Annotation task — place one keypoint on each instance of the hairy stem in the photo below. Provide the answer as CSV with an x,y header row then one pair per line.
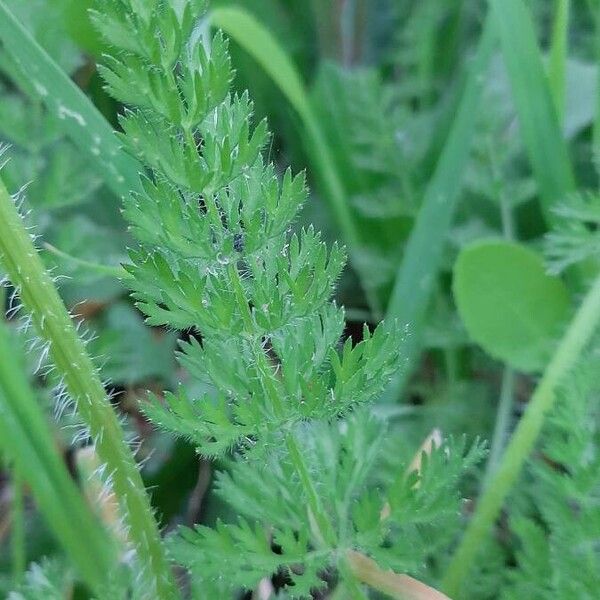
x,y
566,355
322,521
67,351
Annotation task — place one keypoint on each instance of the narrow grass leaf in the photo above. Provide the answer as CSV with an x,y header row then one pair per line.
x,y
80,119
26,440
558,55
418,270
537,114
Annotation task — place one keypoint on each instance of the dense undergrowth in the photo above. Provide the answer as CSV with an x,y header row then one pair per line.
x,y
320,320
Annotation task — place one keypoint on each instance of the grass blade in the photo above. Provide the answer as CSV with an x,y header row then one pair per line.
x,y
538,120
558,55
26,440
595,17
80,119
417,274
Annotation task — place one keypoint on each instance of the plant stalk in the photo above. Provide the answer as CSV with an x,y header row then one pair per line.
x,y
67,351
400,587
578,334
323,523
320,516
502,425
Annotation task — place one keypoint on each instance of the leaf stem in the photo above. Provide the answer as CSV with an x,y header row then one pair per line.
x,y
320,516
567,353
55,327
318,513
107,270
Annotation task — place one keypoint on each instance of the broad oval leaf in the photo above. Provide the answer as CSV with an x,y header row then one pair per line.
x,y
510,306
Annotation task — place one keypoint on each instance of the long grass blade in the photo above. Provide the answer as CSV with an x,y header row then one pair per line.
x,y
558,55
80,119
26,440
538,120
418,270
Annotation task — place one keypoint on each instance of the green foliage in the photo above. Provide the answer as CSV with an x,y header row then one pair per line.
x,y
561,536
576,239
538,120
363,121
129,352
268,453
265,49
49,580
216,256
424,248
377,504
507,302
80,119
71,208
568,352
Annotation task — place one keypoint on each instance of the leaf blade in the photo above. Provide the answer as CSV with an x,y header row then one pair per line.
x,y
537,113
508,303
25,438
417,273
80,119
